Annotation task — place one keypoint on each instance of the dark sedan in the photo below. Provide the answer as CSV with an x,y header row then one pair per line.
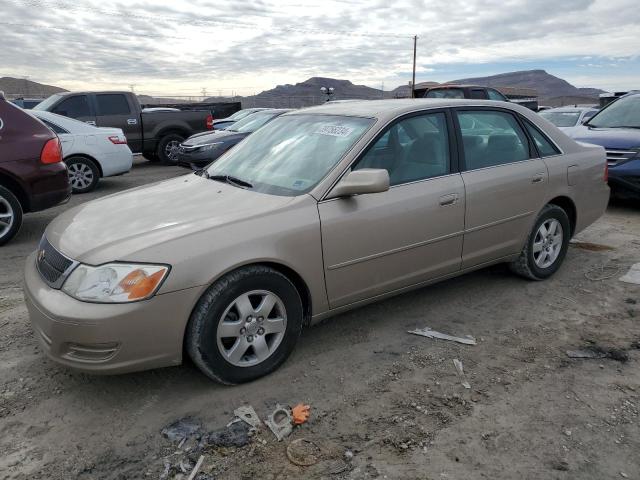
x,y
203,148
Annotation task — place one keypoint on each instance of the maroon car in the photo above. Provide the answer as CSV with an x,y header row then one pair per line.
x,y
32,174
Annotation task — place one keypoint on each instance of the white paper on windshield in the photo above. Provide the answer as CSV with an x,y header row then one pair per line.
x,y
335,130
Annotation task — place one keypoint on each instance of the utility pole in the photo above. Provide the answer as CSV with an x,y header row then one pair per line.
x,y
204,92
132,86
413,78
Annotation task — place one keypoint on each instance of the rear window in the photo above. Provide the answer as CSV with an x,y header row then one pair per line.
x,y
445,93
112,104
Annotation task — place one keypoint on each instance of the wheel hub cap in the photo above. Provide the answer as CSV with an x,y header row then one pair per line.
x,y
547,243
6,217
251,328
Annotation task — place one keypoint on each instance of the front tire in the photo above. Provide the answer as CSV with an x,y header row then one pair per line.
x,y
546,245
245,326
167,150
10,215
83,174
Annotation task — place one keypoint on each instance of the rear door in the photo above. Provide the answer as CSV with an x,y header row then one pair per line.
x,y
78,107
505,183
115,110
377,243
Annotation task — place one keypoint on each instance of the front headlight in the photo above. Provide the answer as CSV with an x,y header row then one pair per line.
x,y
210,146
115,282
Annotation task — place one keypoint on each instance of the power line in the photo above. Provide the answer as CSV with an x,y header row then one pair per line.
x,y
70,29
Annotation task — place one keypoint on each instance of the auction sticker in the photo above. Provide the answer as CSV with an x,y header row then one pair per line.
x,y
335,130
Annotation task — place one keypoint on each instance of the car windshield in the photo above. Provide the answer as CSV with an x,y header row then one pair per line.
x,y
252,122
446,93
624,112
240,114
561,119
291,154
47,102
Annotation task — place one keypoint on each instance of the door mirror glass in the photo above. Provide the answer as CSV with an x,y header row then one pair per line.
x,y
358,182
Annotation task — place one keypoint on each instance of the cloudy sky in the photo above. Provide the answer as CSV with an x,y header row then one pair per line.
x,y
176,47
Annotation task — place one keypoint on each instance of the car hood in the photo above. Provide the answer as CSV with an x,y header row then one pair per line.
x,y
621,138
118,226
215,136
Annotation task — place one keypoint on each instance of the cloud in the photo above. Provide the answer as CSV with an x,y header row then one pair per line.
x,y
180,47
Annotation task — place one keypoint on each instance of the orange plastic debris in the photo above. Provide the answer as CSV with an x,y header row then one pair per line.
x,y
300,413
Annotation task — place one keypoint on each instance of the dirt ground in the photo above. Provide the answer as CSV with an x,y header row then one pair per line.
x,y
384,404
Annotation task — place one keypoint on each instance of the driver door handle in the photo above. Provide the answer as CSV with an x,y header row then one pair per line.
x,y
450,199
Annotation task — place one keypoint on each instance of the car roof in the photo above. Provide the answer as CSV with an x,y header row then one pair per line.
x,y
395,107
570,109
71,124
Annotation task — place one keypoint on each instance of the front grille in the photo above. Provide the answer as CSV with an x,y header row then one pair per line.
x,y
615,156
51,264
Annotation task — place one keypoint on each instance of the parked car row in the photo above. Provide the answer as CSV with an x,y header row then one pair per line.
x,y
156,133
318,211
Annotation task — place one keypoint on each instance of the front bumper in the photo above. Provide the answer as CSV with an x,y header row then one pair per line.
x,y
198,160
107,338
626,176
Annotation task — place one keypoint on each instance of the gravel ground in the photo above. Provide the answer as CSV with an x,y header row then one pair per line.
x,y
384,404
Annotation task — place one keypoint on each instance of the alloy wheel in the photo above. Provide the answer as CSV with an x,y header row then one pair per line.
x,y
171,150
7,216
547,243
80,175
251,328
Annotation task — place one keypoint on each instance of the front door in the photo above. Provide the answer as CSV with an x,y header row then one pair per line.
x,y
505,184
377,243
78,107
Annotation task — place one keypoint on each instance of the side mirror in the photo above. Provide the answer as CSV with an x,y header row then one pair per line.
x,y
358,182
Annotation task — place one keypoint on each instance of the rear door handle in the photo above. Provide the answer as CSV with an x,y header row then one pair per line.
x,y
450,199
537,178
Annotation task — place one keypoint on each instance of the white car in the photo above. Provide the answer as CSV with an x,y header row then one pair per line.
x,y
89,152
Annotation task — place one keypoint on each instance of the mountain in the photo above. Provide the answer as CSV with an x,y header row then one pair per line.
x,y
21,87
308,93
547,85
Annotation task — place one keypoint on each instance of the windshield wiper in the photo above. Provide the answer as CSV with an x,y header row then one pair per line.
x,y
228,179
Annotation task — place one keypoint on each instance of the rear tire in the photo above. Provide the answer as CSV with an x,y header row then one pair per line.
x,y
83,174
167,150
245,325
546,246
10,215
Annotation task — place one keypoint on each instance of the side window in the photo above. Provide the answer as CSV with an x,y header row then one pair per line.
x,y
112,104
478,93
491,138
53,127
74,107
412,149
545,147
496,95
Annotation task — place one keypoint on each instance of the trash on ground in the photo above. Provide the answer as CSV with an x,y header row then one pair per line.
x,y
427,332
303,452
280,422
300,413
249,415
595,351
236,435
459,368
633,275
592,247
602,272
194,472
182,429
